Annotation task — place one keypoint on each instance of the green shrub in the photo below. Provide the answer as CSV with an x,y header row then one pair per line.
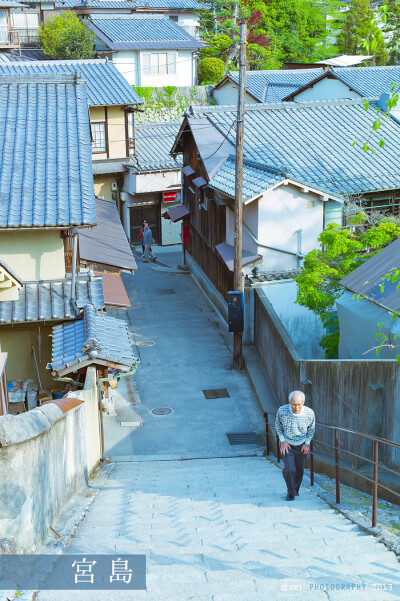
x,y
211,70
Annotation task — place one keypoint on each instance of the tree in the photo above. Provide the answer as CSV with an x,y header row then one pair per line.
x,y
360,33
211,70
391,28
66,37
342,249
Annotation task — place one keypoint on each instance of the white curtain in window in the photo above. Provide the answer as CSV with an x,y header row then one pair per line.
x,y
171,57
162,64
32,20
18,20
146,64
3,26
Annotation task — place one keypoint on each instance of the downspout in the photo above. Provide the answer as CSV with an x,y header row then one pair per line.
x,y
74,232
297,254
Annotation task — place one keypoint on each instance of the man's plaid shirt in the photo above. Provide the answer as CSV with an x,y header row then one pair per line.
x,y
295,428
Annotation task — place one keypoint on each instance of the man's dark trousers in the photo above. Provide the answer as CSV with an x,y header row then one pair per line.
x,y
294,467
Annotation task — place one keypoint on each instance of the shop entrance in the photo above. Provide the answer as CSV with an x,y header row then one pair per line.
x,y
150,213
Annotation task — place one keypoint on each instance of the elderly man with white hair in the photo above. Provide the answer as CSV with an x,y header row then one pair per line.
x,y
295,426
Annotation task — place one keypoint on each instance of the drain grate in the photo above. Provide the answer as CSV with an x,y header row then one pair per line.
x,y
145,343
244,438
166,291
216,393
161,411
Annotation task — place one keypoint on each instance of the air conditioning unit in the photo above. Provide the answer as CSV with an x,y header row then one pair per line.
x,y
114,186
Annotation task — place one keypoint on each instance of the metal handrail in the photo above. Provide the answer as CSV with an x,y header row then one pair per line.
x,y
375,461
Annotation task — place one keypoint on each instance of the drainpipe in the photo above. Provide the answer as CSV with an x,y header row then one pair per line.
x,y
300,255
297,254
74,232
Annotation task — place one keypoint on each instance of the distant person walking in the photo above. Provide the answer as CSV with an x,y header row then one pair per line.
x,y
147,240
295,426
141,236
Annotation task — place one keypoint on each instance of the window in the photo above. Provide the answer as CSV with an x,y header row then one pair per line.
x,y
99,137
174,18
159,64
25,25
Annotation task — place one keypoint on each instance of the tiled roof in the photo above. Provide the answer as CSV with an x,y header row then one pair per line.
x,y
51,300
95,339
153,145
137,32
46,177
27,54
369,81
11,272
107,242
131,4
312,143
274,85
11,4
257,177
104,83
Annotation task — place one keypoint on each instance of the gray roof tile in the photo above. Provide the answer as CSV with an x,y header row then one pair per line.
x,y
312,143
104,83
46,177
153,145
51,300
95,337
369,81
136,32
274,85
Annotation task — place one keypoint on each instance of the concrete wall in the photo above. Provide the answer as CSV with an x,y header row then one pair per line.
x,y
326,89
34,254
43,463
228,95
170,232
17,342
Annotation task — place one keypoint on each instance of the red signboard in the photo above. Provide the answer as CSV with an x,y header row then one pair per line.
x,y
169,196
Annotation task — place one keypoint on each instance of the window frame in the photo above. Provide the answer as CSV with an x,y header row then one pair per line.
x,y
96,149
170,66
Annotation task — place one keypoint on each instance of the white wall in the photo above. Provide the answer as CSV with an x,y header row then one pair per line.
x,y
126,62
228,95
326,89
185,70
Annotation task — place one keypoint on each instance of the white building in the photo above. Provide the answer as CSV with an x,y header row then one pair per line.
x,y
148,50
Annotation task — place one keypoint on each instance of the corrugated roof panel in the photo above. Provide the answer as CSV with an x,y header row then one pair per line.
x,y
104,83
367,279
46,177
106,242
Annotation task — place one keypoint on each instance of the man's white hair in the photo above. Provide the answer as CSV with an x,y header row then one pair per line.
x,y
297,393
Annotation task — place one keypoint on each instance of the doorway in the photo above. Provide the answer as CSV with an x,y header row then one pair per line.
x,y
150,213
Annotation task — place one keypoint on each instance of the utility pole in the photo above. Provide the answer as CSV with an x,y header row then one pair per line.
x,y
237,272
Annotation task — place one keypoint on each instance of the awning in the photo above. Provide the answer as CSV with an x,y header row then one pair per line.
x,y
227,253
114,291
106,243
188,170
179,212
95,339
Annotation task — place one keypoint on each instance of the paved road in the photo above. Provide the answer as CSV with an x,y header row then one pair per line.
x,y
217,527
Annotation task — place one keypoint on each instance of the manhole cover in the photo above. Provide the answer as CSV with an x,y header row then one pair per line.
x,y
244,438
161,411
167,291
145,343
216,393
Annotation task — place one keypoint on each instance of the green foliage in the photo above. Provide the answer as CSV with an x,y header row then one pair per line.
x,y
211,70
390,15
360,33
66,37
341,251
145,93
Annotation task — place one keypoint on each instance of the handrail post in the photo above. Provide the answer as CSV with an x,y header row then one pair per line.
x,y
312,462
337,465
375,485
267,432
278,449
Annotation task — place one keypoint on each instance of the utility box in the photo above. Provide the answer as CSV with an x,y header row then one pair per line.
x,y
235,311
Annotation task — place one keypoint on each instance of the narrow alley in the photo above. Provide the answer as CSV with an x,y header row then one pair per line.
x,y
210,517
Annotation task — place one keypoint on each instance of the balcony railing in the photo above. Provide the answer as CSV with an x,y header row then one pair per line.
x,y
16,37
